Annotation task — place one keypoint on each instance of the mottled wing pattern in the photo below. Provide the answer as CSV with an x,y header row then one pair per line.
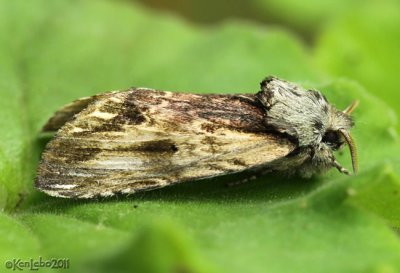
x,y
67,112
142,139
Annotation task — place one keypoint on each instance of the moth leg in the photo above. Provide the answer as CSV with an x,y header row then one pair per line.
x,y
340,168
330,160
242,181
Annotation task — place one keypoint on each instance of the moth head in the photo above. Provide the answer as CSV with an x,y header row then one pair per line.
x,y
307,117
338,132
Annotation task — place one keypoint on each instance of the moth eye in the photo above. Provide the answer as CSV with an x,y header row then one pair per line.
x,y
333,139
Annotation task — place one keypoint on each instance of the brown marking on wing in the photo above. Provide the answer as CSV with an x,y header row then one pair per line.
x,y
235,112
158,146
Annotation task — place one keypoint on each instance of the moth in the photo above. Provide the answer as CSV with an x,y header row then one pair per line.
x,y
142,139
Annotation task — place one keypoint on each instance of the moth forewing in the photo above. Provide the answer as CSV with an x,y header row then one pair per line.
x,y
142,139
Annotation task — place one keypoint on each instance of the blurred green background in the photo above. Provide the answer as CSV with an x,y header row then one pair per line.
x,y
54,51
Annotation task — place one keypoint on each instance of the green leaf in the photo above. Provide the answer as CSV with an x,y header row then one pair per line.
x,y
64,50
306,16
378,192
16,240
159,247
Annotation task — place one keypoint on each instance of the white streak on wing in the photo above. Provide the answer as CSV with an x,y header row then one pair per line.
x,y
77,130
87,195
61,186
102,115
120,163
53,193
115,99
106,193
128,190
73,173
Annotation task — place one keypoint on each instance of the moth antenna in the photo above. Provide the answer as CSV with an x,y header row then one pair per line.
x,y
353,149
351,107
